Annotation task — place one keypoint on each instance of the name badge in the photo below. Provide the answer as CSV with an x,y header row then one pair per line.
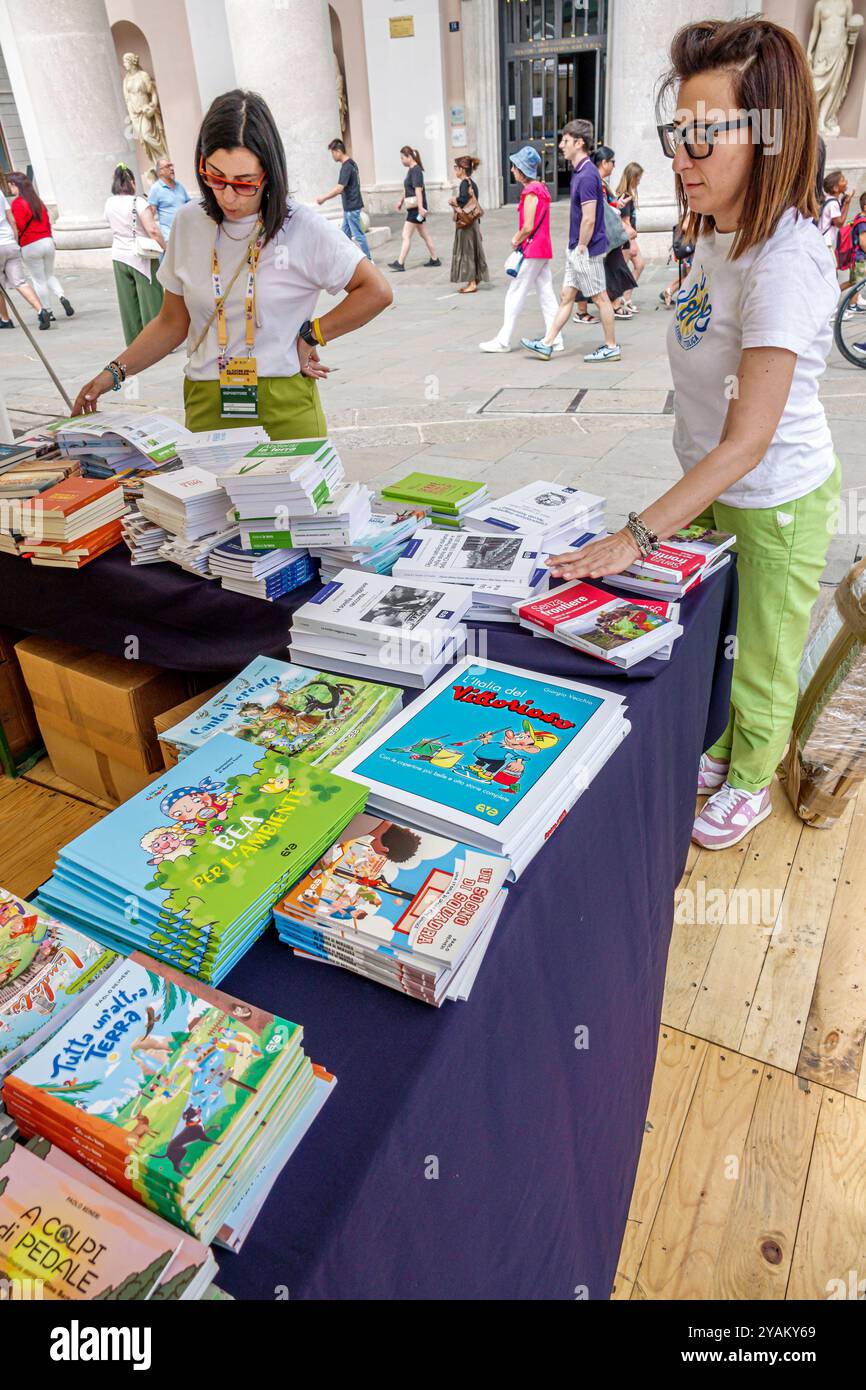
x,y
239,388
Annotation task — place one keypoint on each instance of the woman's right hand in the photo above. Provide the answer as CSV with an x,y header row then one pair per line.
x,y
85,401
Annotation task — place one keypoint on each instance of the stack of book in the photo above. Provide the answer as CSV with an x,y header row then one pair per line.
x,y
339,522
499,570
548,512
18,454
195,556
445,500
185,1099
73,522
21,486
188,503
267,574
614,629
376,549
492,753
47,970
120,439
360,624
272,485
190,867
215,449
412,911
687,558
143,538
118,1250
293,710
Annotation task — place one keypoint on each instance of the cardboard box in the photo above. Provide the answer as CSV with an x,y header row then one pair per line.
x,y
17,716
174,716
96,714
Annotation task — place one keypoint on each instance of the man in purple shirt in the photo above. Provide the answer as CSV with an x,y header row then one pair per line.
x,y
587,247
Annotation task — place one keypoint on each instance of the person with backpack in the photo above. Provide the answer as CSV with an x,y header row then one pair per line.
x,y
349,189
834,208
532,247
618,278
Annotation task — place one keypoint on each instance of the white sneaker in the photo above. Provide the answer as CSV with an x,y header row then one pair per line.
x,y
493,346
559,347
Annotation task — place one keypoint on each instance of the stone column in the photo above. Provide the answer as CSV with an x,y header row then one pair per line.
x,y
639,36
282,49
480,24
66,58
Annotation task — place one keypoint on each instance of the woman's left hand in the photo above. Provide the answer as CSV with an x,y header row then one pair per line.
x,y
308,357
610,555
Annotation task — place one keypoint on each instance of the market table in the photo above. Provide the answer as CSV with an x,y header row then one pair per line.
x,y
487,1149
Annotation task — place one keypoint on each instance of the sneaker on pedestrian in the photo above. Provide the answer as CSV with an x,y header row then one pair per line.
x,y
711,774
67,307
603,354
494,345
6,323
730,814
538,346
559,347
395,265
432,262
44,318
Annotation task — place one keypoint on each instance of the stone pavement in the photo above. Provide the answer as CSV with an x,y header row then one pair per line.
x,y
411,390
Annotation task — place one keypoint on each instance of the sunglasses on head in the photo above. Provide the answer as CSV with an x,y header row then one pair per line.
x,y
242,187
699,139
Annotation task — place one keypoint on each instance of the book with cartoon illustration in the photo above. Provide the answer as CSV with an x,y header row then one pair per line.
x,y
189,867
487,751
170,1090
601,624
295,710
46,970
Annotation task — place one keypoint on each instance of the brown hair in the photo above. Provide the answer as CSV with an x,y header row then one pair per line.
x,y
580,130
627,186
468,163
830,180
771,78
407,149
28,193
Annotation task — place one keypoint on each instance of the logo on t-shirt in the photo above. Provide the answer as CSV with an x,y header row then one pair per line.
x,y
693,312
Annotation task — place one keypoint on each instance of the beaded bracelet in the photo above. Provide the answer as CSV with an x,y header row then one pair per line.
x,y
645,539
115,376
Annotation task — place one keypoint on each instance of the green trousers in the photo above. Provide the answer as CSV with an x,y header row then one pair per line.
x,y
140,299
289,407
781,553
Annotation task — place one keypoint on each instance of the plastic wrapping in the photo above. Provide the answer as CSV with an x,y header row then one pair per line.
x,y
826,759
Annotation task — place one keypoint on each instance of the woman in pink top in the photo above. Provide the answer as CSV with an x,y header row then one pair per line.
x,y
533,238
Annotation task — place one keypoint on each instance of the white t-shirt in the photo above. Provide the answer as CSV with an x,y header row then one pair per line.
x,y
306,256
832,208
7,236
779,294
118,215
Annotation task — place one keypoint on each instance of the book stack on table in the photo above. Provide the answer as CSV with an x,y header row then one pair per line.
x,y
73,522
189,868
368,624
191,507
187,1100
548,512
499,570
410,910
215,449
266,574
614,629
377,547
446,500
143,539
22,483
687,558
294,710
273,485
117,441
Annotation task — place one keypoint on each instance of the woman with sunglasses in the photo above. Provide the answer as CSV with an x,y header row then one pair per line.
x,y
748,342
242,275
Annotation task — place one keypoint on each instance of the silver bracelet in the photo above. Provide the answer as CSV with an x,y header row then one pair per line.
x,y
645,539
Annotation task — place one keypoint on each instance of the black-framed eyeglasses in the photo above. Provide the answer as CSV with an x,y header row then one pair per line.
x,y
698,138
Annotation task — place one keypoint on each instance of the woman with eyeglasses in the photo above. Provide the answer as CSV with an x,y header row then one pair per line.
x,y
747,343
242,275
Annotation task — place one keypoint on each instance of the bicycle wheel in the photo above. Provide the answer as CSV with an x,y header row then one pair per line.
x,y
850,334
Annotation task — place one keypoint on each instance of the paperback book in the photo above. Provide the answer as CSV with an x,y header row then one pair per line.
x,y
600,624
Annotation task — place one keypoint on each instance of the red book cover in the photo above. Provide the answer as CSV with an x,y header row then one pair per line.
x,y
75,493
667,558
663,607
563,604
90,541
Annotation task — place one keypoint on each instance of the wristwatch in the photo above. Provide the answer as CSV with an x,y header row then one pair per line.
x,y
306,332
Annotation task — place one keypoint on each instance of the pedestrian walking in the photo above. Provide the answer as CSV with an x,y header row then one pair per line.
x,y
136,246
468,261
415,202
12,272
167,195
618,278
348,188
534,249
36,241
627,202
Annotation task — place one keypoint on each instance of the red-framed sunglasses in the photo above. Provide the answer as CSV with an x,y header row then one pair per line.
x,y
242,187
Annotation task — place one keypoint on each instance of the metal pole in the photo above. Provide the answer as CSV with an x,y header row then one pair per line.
x,y
6,435
8,292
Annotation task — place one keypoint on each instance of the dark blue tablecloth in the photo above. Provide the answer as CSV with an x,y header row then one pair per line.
x,y
474,1151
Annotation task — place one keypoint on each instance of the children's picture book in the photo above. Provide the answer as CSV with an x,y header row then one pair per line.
x,y
483,748
46,971
303,713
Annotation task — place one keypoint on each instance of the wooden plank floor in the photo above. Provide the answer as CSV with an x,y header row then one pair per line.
x,y
752,1177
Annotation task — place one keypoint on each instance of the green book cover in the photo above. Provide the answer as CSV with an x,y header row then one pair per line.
x,y
430,489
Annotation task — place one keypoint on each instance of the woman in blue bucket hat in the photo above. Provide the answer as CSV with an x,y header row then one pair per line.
x,y
532,239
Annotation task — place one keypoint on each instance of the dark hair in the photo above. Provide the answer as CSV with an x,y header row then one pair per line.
x,y
863,200
821,162
601,152
337,145
243,119
468,163
28,193
769,73
580,130
123,180
407,149
400,842
830,180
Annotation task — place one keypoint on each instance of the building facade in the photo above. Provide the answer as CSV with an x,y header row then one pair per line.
x,y
446,77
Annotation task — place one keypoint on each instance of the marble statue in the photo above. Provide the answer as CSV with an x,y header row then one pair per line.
x,y
830,52
342,103
142,103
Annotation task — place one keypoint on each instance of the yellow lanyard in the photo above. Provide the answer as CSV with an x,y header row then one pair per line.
x,y
254,251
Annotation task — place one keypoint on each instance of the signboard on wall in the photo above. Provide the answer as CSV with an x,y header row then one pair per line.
x,y
402,26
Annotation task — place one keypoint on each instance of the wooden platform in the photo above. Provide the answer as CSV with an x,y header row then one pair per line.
x,y
752,1179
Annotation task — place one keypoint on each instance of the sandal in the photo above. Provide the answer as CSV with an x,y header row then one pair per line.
x,y
666,298
467,290
582,318
623,314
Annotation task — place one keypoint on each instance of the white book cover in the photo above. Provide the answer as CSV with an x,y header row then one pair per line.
x,y
377,607
186,485
536,507
470,558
